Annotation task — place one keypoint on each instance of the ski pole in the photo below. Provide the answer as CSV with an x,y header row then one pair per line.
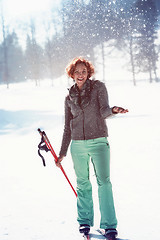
x,y
50,148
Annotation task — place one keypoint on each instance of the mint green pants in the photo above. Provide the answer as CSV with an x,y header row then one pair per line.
x,y
98,151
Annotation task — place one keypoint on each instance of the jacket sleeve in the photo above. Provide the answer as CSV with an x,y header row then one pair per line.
x,y
105,109
67,131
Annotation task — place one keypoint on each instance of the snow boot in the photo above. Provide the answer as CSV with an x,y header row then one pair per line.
x,y
111,233
84,228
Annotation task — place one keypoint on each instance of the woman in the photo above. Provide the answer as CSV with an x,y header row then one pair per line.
x,y
86,108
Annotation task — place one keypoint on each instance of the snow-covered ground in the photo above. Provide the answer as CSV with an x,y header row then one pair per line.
x,y
36,203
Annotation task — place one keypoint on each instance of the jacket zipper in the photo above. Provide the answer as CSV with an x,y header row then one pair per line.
x,y
83,126
83,116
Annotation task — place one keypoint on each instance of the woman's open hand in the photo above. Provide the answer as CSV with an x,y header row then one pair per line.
x,y
119,110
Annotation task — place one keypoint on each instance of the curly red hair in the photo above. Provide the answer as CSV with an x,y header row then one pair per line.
x,y
79,60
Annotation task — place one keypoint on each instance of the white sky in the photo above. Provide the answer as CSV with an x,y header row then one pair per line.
x,y
19,8
18,12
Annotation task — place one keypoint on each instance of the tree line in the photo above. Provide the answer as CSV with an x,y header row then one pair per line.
x,y
75,30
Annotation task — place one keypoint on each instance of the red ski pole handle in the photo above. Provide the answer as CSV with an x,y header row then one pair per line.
x,y
47,142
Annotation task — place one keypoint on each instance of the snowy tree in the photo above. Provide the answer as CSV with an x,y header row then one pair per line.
x,y
12,59
33,56
55,57
4,49
55,48
146,56
140,30
16,67
76,31
127,39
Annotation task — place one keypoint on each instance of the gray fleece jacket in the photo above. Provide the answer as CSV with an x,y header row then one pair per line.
x,y
85,113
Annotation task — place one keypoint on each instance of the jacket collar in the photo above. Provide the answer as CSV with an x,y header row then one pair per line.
x,y
81,97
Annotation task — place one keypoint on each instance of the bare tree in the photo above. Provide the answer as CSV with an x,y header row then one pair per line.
x,y
147,18
33,54
5,75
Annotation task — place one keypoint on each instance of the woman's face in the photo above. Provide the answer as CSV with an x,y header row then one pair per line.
x,y
80,75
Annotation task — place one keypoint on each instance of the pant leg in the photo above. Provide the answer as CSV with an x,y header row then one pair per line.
x,y
81,160
100,154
